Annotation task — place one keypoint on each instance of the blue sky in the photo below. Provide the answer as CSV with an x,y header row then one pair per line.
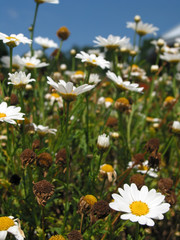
x,y
85,19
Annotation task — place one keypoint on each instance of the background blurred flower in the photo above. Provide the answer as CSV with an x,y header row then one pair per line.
x,y
19,79
46,42
142,28
14,40
9,114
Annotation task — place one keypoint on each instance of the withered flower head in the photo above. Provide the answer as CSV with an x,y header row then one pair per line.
x,y
152,145
138,179
154,160
43,190
85,203
138,158
14,99
100,209
165,184
63,33
61,157
44,160
15,179
122,104
27,157
112,122
171,197
57,237
36,144
169,101
75,235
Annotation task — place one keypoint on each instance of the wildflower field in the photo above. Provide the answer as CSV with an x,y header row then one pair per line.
x,y
90,144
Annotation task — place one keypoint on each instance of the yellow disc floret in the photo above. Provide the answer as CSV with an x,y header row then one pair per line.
x,y
56,95
123,101
109,100
90,199
139,208
6,223
107,168
2,115
57,237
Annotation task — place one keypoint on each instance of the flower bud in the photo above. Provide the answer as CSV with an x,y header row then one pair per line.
x,y
137,18
154,68
63,33
103,142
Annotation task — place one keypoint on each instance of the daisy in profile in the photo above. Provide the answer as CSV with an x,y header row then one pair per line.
x,y
54,97
37,54
112,42
142,28
47,1
32,62
124,85
67,90
108,170
10,225
93,60
94,78
139,205
19,79
15,62
43,130
169,57
14,40
9,114
46,42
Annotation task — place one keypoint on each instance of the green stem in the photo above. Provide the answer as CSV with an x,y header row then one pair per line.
x,y
73,63
33,26
43,222
11,55
59,51
137,231
87,122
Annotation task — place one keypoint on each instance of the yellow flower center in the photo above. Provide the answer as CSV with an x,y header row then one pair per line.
x,y
12,38
56,95
69,96
143,168
28,64
79,73
57,237
107,168
90,199
109,100
94,61
169,99
123,100
2,115
139,208
6,223
134,67
141,32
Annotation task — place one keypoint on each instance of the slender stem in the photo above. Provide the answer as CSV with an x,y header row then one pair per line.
x,y
82,217
43,222
11,55
102,188
73,63
137,231
59,51
87,122
33,26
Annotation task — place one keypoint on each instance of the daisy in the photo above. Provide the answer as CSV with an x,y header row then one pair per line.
x,y
43,130
169,57
19,79
10,225
124,85
142,28
46,42
14,40
108,170
139,205
94,79
112,42
93,60
15,61
103,142
54,97
67,90
175,127
37,54
9,114
47,1
32,62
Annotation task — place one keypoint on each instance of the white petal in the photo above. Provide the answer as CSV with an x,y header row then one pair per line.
x,y
3,235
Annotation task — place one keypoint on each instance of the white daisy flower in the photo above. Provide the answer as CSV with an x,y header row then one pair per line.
x,y
54,97
32,62
43,130
14,40
169,57
103,142
37,54
93,60
107,169
124,85
176,127
67,90
94,79
47,1
112,42
144,168
139,205
15,61
19,79
9,114
46,42
142,28
10,225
